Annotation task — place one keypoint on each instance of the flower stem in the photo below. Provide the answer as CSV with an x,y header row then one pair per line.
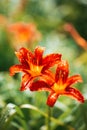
x,y
49,119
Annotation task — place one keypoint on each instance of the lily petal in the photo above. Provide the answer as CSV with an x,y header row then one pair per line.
x,y
26,80
73,79
48,77
39,86
74,93
62,72
50,60
15,69
38,54
22,55
52,99
26,57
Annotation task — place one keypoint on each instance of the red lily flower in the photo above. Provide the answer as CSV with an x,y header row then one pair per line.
x,y
33,64
59,85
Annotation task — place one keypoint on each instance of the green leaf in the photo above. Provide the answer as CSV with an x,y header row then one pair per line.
x,y
57,121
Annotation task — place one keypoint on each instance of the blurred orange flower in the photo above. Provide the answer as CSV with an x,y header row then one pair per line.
x,y
76,36
3,20
24,33
33,64
59,84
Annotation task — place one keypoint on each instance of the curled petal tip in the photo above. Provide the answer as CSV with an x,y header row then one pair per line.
x,y
11,71
15,69
81,99
52,99
16,53
40,48
74,93
22,88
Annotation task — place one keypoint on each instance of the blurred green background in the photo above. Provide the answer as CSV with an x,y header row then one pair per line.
x,y
49,17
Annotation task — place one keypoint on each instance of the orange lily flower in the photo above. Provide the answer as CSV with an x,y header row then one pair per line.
x,y
24,33
33,64
59,84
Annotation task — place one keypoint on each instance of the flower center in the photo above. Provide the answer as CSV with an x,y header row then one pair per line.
x,y
35,70
59,88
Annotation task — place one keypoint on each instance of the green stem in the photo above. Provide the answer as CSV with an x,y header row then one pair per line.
x,y
57,121
48,123
49,119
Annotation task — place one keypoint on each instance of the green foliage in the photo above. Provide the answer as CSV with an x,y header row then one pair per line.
x,y
6,51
